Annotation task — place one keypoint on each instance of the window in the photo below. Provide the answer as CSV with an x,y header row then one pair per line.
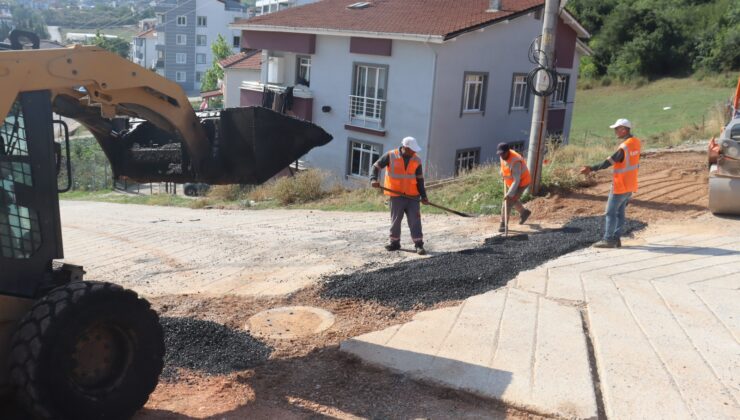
x,y
160,18
303,72
466,160
182,20
519,93
201,40
198,76
560,96
181,39
181,58
180,76
474,92
361,158
367,102
160,54
236,42
200,58
201,21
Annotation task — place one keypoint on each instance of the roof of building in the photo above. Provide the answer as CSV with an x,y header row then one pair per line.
x,y
440,19
250,60
149,33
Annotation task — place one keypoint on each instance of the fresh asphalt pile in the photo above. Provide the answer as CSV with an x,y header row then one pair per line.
x,y
209,347
459,275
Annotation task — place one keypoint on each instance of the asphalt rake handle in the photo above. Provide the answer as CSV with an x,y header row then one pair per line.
x,y
459,213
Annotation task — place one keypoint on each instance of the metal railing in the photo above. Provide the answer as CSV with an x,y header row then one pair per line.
x,y
366,112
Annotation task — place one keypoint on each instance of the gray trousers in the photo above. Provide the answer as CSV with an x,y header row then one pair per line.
x,y
411,208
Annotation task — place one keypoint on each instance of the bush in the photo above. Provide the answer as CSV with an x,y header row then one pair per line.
x,y
304,187
227,192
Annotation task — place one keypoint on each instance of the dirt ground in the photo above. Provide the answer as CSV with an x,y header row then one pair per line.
x,y
307,376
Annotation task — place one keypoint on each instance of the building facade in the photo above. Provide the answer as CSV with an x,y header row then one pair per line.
x,y
144,49
185,32
370,80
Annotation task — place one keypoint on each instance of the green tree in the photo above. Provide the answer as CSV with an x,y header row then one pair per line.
x,y
29,20
220,50
115,45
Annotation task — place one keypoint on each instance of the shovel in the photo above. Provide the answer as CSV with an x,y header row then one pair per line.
x,y
459,213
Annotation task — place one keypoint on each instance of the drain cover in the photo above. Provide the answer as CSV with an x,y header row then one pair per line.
x,y
290,322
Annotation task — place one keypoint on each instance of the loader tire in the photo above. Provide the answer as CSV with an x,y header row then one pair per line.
x,y
87,350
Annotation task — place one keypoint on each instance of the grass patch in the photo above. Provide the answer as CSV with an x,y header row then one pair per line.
x,y
693,112
109,196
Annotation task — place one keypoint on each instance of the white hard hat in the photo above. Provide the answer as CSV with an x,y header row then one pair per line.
x,y
622,122
411,143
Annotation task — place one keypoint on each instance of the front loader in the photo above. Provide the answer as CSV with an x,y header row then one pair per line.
x,y
77,349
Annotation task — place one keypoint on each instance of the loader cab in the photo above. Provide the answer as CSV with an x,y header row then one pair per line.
x,y
30,226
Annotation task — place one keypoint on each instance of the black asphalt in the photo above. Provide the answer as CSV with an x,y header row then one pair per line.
x,y
209,347
459,275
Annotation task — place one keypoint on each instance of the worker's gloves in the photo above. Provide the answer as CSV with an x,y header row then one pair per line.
x,y
424,200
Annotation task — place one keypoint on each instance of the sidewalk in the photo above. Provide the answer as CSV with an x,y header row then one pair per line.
x,y
659,319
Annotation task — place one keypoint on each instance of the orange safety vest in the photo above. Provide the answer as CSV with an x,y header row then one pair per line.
x,y
625,172
506,166
399,177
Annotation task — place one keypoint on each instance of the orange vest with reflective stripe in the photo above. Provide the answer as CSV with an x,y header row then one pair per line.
x,y
399,177
506,165
625,172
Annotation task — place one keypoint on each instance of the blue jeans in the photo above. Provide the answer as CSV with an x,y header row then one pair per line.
x,y
615,215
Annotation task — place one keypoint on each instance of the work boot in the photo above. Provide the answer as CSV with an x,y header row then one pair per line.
x,y
420,249
393,246
524,216
606,244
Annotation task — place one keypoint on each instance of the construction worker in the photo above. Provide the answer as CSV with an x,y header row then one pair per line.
x,y
403,175
516,177
626,161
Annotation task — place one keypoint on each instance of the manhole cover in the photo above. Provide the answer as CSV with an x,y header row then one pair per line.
x,y
290,322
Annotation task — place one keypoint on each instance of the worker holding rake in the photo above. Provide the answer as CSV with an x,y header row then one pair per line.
x,y
516,180
404,184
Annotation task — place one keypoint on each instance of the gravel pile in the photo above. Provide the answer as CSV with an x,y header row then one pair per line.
x,y
459,275
209,347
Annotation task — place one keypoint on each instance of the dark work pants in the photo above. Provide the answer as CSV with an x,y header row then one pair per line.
x,y
401,206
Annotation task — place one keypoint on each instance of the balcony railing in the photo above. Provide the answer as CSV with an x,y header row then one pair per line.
x,y
366,112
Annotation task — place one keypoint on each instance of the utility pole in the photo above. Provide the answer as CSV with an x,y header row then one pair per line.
x,y
538,130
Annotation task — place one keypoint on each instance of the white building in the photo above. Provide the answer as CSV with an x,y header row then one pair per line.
x,y
245,67
264,7
455,81
143,48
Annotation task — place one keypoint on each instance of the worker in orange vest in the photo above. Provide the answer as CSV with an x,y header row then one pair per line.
x,y
403,174
626,161
516,177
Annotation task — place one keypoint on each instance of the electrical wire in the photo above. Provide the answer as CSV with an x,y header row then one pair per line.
x,y
550,76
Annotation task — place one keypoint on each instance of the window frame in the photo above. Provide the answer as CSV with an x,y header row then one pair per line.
x,y
203,55
350,150
381,121
178,37
299,65
476,158
185,76
199,76
562,93
513,97
184,20
198,37
198,20
184,57
236,41
484,88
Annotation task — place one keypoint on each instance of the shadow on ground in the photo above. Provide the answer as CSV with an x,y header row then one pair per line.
x,y
328,384
459,275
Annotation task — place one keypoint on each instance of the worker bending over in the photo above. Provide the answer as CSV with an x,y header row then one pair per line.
x,y
516,177
626,161
404,175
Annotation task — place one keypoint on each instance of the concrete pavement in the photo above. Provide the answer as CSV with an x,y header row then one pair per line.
x,y
651,330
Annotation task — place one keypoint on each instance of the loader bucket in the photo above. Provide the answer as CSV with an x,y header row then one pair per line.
x,y
257,143
247,146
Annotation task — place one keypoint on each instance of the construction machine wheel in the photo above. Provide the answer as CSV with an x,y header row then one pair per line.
x,y
87,350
